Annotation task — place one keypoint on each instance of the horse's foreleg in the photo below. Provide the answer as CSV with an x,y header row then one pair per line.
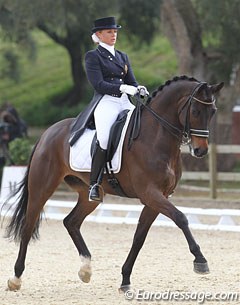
x,y
200,263
73,223
164,206
145,221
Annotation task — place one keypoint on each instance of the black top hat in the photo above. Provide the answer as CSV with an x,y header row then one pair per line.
x,y
105,23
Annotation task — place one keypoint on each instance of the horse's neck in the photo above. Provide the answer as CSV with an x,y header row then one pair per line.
x,y
166,107
166,104
158,138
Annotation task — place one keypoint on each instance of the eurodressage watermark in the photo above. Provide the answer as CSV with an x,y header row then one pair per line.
x,y
200,297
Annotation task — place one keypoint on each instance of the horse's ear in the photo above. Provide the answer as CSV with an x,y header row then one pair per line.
x,y
217,87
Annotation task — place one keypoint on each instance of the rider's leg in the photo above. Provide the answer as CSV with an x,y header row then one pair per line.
x,y
97,168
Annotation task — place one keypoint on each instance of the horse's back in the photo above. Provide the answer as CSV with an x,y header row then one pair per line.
x,y
59,129
54,140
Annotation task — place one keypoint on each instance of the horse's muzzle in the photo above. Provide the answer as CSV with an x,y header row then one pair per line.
x,y
198,147
200,152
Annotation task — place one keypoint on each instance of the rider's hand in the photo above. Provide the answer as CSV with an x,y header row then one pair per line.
x,y
142,90
128,89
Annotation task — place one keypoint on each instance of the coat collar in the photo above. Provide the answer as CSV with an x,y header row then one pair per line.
x,y
117,59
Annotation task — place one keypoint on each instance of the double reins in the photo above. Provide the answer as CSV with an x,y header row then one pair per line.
x,y
184,135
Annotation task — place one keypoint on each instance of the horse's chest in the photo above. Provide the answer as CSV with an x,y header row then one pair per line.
x,y
171,175
170,180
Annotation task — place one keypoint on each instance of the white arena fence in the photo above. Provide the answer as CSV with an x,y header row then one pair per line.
x,y
199,218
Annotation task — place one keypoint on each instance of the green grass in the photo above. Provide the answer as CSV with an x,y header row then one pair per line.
x,y
42,79
49,76
152,64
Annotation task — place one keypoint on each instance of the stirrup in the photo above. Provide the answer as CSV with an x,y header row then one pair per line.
x,y
94,192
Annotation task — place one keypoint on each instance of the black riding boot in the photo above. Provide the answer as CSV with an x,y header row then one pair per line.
x,y
97,168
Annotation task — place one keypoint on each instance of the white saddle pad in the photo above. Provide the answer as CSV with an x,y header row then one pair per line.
x,y
80,157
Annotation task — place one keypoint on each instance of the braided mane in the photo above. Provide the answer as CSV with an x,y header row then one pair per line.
x,y
168,82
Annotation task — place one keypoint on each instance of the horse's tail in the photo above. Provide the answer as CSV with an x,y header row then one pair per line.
x,y
15,227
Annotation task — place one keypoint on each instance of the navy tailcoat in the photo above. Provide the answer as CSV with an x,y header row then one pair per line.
x,y
106,73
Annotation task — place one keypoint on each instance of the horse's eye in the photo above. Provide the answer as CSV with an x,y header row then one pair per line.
x,y
195,112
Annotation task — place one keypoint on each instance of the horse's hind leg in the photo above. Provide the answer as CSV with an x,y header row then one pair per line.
x,y
73,223
146,219
41,185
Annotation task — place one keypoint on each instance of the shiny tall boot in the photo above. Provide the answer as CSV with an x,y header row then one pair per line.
x,y
97,169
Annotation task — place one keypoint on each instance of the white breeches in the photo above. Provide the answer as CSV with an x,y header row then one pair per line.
x,y
106,114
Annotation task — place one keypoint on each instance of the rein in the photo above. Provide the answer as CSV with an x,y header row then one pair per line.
x,y
182,135
175,131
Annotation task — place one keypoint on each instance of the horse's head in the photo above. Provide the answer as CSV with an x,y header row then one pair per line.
x,y
196,114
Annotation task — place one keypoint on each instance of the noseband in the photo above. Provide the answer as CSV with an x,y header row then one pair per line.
x,y
185,134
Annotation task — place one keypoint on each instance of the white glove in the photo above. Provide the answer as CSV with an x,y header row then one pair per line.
x,y
142,90
128,89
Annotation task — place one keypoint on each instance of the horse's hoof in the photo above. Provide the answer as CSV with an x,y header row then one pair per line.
x,y
128,292
85,274
201,268
124,288
14,284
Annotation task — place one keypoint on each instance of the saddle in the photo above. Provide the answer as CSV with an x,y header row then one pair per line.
x,y
113,142
114,136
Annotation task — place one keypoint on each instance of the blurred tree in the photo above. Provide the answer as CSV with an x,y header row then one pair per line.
x,y
179,23
141,18
182,27
205,35
67,22
185,22
221,33
10,67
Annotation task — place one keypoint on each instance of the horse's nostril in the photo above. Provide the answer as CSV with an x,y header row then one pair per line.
x,y
200,152
196,152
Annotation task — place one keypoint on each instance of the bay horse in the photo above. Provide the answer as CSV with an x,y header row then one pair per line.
x,y
178,111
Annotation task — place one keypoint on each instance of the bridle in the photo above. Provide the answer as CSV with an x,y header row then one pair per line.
x,y
187,130
185,134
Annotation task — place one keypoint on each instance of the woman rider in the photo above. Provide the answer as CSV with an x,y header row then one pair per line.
x,y
110,73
